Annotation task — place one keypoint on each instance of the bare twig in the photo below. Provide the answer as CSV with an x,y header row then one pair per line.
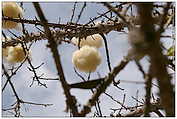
x,y
79,16
110,7
39,104
107,51
140,68
140,111
95,18
122,104
137,100
17,105
73,11
11,84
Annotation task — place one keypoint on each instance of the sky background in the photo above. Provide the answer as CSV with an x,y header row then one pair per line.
x,y
118,47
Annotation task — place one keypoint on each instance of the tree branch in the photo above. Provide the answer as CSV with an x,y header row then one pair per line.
x,y
157,59
70,100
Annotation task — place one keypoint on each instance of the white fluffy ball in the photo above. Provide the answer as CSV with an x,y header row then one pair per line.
x,y
86,59
13,10
15,54
92,40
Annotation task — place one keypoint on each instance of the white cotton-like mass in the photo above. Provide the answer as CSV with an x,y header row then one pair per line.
x,y
95,40
15,54
86,59
13,10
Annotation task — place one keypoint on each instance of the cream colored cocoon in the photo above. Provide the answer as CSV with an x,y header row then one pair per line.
x,y
15,54
92,40
13,10
86,59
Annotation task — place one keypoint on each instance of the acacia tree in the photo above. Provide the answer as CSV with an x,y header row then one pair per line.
x,y
143,23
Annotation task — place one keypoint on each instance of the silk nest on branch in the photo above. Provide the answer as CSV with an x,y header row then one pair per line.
x,y
92,40
12,10
14,54
86,59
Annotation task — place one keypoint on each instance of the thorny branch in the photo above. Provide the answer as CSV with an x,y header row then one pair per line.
x,y
70,100
73,30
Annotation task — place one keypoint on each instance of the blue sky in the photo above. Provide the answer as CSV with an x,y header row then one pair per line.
x,y
118,47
